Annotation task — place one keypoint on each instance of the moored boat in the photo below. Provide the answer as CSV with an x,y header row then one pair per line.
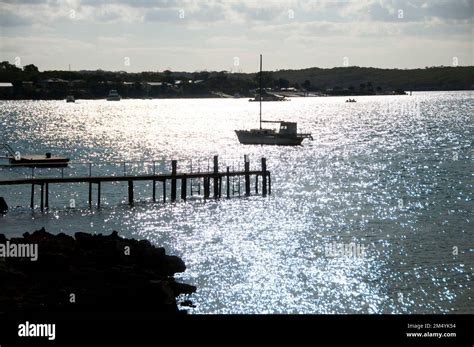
x,y
285,135
113,96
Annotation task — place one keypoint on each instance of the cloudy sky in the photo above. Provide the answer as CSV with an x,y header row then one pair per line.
x,y
191,35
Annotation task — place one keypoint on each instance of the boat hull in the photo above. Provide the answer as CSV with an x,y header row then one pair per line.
x,y
253,138
36,161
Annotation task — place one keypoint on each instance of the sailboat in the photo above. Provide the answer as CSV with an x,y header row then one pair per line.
x,y
286,135
70,97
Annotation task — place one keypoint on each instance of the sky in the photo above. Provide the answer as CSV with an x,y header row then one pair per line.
x,y
216,35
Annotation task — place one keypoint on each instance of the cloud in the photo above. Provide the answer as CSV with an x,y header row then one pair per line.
x,y
410,10
10,19
164,15
462,9
245,11
145,30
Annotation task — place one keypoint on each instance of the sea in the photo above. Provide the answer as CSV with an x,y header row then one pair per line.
x,y
373,216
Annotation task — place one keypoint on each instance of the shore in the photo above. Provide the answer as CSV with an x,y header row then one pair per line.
x,y
89,273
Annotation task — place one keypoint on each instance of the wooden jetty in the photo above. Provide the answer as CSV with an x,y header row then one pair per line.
x,y
214,178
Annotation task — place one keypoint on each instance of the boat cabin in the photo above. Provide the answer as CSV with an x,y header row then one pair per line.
x,y
288,128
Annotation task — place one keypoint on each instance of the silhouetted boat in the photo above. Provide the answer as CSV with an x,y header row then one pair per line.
x,y
70,97
113,96
286,135
351,100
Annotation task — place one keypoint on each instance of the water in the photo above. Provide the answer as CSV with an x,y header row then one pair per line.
x,y
392,174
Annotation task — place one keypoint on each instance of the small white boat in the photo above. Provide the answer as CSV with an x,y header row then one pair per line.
x,y
113,96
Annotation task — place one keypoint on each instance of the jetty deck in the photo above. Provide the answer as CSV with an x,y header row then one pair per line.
x,y
211,178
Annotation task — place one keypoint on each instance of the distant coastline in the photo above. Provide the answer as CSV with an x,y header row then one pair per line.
x,y
28,83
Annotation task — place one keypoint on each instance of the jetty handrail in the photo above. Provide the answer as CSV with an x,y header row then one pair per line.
x,y
200,164
8,148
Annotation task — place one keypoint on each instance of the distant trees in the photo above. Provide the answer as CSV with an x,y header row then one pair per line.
x,y
267,79
31,69
203,75
306,84
6,66
168,76
10,72
282,83
337,81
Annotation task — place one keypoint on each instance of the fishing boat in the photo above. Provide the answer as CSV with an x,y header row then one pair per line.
x,y
113,96
33,160
286,134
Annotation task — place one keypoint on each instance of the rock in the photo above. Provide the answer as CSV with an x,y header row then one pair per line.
x,y
97,270
182,288
3,206
188,303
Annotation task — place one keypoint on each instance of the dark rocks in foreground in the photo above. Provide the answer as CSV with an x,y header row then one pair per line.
x,y
3,206
92,273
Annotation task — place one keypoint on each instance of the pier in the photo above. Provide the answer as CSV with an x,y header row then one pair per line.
x,y
193,180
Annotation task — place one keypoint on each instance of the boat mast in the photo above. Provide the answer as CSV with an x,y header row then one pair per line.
x,y
69,81
260,92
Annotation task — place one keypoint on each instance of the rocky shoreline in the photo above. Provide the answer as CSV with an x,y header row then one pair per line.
x,y
89,273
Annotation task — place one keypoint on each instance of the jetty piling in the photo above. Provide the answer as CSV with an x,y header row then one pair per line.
x,y
164,190
264,175
46,203
216,178
98,194
174,163
247,175
90,194
130,192
228,182
183,187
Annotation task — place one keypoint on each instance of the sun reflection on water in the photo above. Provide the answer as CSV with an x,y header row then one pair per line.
x,y
379,173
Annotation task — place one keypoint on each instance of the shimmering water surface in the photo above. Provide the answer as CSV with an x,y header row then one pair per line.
x,y
390,173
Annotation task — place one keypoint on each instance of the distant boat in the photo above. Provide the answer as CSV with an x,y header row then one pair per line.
x,y
269,97
113,96
70,97
351,100
287,134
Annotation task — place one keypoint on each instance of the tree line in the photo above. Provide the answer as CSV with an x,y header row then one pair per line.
x,y
30,83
